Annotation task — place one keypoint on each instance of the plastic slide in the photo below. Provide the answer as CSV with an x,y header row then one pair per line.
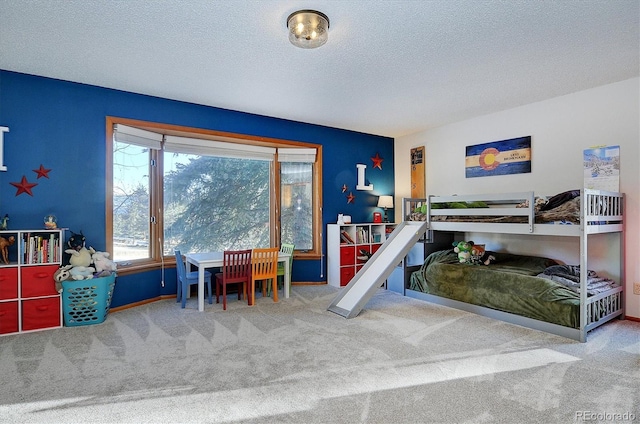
x,y
364,284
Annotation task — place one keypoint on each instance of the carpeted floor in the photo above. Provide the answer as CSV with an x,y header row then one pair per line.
x,y
400,361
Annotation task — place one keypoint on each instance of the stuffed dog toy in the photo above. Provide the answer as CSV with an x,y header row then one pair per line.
x,y
4,247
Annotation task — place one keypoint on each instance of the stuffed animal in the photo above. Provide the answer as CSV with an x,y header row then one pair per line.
x,y
480,256
82,272
476,253
4,247
101,261
79,254
61,274
486,258
463,249
80,257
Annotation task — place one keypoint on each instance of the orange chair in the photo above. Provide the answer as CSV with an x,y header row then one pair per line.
x,y
236,269
264,266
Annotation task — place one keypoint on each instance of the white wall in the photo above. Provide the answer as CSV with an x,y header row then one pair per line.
x,y
560,129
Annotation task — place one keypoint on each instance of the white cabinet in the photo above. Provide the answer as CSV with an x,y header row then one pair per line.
x,y
349,246
28,297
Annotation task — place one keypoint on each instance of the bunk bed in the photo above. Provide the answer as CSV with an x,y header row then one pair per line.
x,y
568,308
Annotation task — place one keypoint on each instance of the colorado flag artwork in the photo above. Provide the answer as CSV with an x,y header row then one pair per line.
x,y
499,158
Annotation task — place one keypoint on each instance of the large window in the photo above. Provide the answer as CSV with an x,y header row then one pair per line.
x,y
131,201
296,204
215,203
194,191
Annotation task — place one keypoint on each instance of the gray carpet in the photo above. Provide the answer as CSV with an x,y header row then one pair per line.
x,y
400,361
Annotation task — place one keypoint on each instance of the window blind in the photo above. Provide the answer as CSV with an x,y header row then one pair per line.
x,y
297,154
130,135
197,146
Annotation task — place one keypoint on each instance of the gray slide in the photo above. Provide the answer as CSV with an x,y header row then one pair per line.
x,y
363,286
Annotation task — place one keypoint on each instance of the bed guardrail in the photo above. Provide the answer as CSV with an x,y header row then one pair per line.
x,y
601,212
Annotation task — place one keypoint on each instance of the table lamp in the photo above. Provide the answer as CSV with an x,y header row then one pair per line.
x,y
385,202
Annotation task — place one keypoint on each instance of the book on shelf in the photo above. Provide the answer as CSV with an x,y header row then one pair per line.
x,y
362,235
346,237
40,249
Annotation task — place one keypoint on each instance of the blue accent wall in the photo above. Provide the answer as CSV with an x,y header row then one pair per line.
x,y
61,125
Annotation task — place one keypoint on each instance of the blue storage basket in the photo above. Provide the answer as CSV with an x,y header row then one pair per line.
x,y
87,302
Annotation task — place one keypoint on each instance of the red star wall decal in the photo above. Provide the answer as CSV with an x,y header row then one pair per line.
x,y
377,161
42,171
350,197
24,186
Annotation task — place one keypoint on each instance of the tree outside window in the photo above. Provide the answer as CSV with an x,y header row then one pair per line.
x,y
215,203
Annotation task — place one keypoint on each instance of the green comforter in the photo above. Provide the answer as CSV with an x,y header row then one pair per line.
x,y
509,284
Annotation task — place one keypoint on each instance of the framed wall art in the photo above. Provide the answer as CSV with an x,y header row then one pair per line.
x,y
602,168
503,157
417,173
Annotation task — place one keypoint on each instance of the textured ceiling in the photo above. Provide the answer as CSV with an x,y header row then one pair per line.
x,y
389,68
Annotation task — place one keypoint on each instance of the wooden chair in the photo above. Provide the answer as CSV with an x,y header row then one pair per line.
x,y
264,266
186,279
284,248
236,269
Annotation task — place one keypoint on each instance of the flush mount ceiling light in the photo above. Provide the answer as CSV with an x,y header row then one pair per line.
x,y
308,29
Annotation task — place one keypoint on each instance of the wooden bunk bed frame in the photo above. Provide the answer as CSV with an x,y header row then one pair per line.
x,y
600,212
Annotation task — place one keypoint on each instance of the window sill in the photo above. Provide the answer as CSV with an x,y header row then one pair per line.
x,y
135,268
127,268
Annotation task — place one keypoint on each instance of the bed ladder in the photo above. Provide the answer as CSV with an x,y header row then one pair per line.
x,y
378,268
